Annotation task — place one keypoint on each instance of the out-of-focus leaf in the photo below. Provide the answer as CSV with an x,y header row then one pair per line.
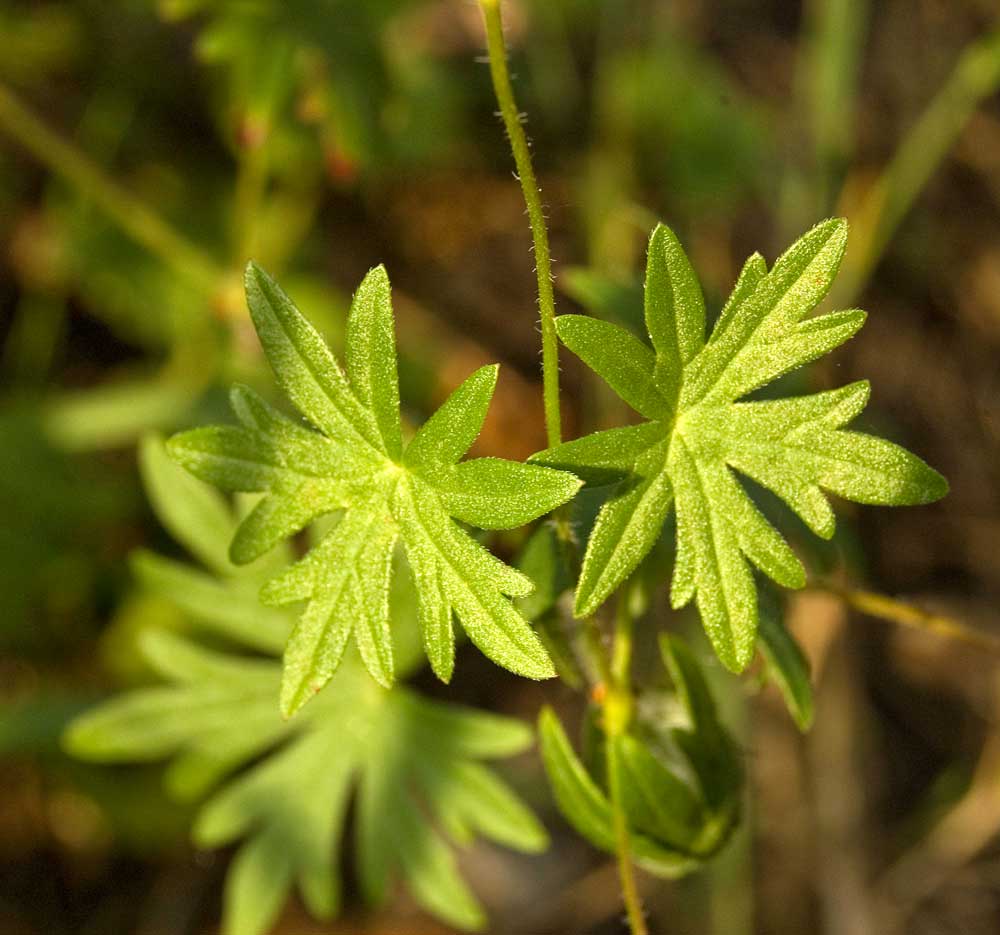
x,y
192,512
230,608
605,297
281,786
787,665
57,514
585,805
545,560
217,714
116,414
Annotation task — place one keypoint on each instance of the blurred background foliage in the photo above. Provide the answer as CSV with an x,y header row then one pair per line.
x,y
148,149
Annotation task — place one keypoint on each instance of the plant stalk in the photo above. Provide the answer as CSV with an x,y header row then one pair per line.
x,y
975,77
894,611
536,215
618,705
128,212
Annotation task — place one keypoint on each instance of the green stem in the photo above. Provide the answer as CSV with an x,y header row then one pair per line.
x,y
621,649
134,217
253,154
596,655
975,77
618,706
536,215
251,181
895,611
623,849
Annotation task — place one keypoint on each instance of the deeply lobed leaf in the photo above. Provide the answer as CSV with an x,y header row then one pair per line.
x,y
354,461
403,753
280,788
700,434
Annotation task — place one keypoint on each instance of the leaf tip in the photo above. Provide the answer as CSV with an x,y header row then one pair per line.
x,y
238,394
547,722
584,603
537,668
75,741
294,695
242,551
661,232
377,278
566,323
253,275
935,486
177,448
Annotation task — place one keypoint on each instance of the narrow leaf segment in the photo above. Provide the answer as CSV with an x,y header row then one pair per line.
x,y
700,435
278,790
353,460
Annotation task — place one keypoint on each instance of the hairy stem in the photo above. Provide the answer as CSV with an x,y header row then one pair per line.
x,y
618,705
536,215
133,216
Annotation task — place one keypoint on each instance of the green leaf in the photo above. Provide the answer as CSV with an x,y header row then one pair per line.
x,y
675,309
404,753
587,808
625,363
460,575
625,531
305,367
195,515
492,493
656,800
371,357
221,706
579,798
787,665
450,432
290,835
707,746
680,780
545,559
354,462
229,608
605,458
689,454
279,789
348,574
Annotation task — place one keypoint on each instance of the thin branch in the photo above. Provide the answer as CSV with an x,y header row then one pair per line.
x,y
896,611
121,206
536,215
617,714
975,77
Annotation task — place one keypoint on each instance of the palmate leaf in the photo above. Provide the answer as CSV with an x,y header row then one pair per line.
x,y
402,752
699,433
416,766
355,461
